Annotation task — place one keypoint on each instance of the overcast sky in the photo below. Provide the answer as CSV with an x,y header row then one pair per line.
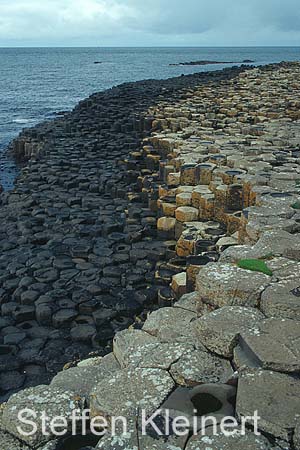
x,y
149,22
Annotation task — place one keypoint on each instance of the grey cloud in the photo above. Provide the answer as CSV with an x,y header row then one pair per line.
x,y
150,22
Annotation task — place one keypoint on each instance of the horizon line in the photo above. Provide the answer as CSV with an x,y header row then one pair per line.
x,y
150,46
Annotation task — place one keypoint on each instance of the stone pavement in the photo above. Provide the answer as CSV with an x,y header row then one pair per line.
x,y
219,170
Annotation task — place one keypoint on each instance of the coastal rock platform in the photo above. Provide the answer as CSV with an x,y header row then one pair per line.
x,y
155,231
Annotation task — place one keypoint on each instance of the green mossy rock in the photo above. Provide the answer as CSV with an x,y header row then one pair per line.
x,y
257,265
296,205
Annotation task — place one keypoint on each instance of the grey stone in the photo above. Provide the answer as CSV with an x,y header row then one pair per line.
x,y
130,389
125,340
296,438
110,361
279,243
53,445
8,442
236,441
276,398
284,268
282,300
134,439
189,301
210,399
276,345
156,355
170,324
54,400
196,367
228,285
243,358
276,243
219,330
82,379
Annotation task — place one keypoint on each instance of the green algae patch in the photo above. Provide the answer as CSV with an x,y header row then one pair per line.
x,y
296,205
256,265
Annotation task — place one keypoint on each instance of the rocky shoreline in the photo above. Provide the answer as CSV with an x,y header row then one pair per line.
x,y
181,194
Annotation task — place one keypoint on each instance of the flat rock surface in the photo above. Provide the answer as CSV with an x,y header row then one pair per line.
x,y
236,441
196,367
126,340
274,396
156,355
81,380
136,436
189,301
282,300
229,285
8,442
129,390
169,324
135,439
276,345
278,243
219,330
296,438
54,400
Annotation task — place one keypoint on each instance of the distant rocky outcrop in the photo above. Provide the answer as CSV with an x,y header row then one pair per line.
x,y
206,63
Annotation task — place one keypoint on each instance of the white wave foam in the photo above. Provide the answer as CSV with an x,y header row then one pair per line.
x,y
21,120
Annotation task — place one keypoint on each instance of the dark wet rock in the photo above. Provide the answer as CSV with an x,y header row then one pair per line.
x,y
11,380
83,333
203,63
23,313
64,317
14,338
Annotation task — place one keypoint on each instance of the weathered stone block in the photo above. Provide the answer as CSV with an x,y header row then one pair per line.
x,y
228,285
170,324
53,400
125,340
275,344
197,367
276,398
82,379
282,300
166,227
219,330
186,214
235,441
128,390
